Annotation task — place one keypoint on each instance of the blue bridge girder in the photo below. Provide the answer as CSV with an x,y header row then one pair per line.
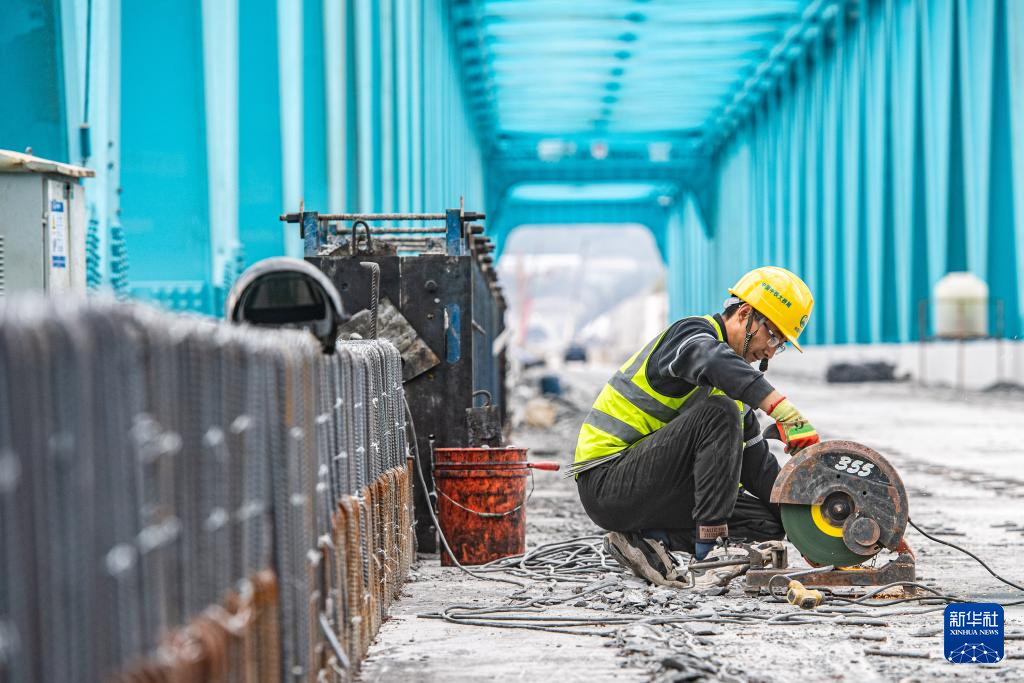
x,y
870,145
205,121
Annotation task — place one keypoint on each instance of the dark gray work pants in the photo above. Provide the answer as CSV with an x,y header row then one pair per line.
x,y
686,472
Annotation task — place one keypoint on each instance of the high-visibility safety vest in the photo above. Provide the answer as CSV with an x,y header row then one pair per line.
x,y
629,409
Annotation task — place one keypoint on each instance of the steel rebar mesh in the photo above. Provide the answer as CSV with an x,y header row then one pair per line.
x,y
185,499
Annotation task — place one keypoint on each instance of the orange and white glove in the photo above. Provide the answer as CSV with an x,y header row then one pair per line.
x,y
794,429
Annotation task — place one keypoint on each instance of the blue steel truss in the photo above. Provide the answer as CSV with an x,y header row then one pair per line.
x,y
207,120
871,145
890,154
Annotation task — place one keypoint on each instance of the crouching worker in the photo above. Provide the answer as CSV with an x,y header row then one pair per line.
x,y
671,457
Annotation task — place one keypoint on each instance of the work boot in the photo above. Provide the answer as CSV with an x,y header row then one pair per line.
x,y
647,558
715,580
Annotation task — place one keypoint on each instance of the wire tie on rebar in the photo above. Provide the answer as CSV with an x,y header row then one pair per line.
x,y
241,424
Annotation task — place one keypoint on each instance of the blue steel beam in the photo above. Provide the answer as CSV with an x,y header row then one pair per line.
x,y
32,113
261,171
707,56
336,95
506,175
367,121
648,51
220,78
231,113
569,19
416,95
403,110
657,130
386,109
1004,263
883,161
165,199
291,102
816,17
314,106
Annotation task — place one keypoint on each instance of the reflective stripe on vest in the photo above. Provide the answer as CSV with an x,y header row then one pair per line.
x,y
629,409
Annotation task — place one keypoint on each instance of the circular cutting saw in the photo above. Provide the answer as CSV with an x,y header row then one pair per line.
x,y
842,503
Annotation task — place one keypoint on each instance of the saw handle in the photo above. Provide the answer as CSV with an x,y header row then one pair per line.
x,y
544,465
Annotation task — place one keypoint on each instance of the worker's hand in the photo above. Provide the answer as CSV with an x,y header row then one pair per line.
x,y
794,429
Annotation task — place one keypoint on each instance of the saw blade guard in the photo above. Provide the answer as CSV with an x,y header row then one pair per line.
x,y
855,501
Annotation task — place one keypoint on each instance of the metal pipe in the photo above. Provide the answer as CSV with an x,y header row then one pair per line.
x,y
719,563
407,231
296,217
333,640
413,243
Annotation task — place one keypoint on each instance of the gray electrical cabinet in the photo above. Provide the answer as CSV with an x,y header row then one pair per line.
x,y
42,225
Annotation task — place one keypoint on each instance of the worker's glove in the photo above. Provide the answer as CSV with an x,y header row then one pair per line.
x,y
794,429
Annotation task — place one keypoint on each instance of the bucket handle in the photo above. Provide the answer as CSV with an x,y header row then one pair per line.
x,y
539,465
489,515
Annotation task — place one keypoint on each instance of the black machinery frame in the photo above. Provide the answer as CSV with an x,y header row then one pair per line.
x,y
450,297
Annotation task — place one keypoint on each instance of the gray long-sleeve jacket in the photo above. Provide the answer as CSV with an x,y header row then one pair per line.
x,y
689,355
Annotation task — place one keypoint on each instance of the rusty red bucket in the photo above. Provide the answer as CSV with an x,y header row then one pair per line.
x,y
481,501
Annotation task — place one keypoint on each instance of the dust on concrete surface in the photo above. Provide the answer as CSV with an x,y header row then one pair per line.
x,y
960,456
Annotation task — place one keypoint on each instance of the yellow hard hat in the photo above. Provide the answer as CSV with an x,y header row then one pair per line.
x,y
778,295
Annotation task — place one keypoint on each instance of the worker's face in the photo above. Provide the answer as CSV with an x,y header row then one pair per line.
x,y
767,340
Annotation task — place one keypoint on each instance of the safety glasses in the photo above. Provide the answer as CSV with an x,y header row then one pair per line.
x,y
774,342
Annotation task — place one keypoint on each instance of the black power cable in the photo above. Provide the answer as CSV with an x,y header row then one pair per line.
x,y
966,552
869,600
